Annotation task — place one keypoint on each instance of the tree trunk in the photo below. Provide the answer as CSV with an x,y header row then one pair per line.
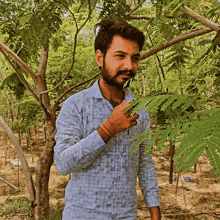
x,y
43,172
172,152
11,113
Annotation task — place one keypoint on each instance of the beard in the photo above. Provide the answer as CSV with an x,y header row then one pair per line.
x,y
112,80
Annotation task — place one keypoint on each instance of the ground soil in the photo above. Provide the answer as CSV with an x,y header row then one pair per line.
x,y
202,195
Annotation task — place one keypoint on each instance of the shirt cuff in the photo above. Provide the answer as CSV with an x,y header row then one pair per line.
x,y
153,200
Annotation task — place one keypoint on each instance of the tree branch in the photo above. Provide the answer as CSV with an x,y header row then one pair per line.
x,y
73,57
20,49
175,40
212,25
133,10
20,76
139,17
43,63
19,61
27,172
10,184
71,88
42,86
159,61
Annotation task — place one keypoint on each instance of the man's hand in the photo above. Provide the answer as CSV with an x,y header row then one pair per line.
x,y
120,121
155,213
117,122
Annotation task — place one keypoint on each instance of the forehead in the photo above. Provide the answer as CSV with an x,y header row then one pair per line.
x,y
121,44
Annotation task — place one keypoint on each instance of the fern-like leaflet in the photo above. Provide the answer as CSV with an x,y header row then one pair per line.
x,y
195,132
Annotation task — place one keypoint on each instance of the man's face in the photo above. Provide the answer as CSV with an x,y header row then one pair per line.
x,y
120,62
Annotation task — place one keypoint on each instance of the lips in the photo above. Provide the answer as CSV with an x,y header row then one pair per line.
x,y
126,74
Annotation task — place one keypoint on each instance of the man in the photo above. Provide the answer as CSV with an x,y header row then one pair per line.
x,y
93,133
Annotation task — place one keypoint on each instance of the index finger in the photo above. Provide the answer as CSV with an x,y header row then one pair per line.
x,y
125,104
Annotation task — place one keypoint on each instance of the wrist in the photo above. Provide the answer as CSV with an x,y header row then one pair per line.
x,y
155,213
106,131
110,130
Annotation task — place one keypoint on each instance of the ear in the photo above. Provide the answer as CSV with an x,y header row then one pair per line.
x,y
99,58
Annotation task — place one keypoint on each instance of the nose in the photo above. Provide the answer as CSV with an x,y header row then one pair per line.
x,y
128,64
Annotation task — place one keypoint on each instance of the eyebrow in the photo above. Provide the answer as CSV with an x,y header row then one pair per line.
x,y
120,51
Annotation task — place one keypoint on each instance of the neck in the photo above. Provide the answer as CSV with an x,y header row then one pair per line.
x,y
114,95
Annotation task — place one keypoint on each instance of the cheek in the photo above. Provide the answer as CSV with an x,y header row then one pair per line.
x,y
114,66
135,67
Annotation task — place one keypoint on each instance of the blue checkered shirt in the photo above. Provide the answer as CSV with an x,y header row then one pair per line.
x,y
103,181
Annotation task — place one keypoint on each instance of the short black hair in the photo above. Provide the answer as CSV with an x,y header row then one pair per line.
x,y
110,28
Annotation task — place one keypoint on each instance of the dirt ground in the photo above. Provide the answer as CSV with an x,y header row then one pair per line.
x,y
201,195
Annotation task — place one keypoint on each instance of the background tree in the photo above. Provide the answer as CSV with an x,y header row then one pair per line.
x,y
49,46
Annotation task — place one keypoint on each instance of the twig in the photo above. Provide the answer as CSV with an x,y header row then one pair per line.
x,y
177,183
20,49
184,197
90,83
132,11
201,172
73,56
71,88
10,184
139,17
175,40
144,17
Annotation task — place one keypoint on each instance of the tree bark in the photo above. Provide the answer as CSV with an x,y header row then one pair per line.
x,y
5,50
46,157
173,41
204,21
19,61
27,173
43,172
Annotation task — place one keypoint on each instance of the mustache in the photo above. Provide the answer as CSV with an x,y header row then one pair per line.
x,y
126,72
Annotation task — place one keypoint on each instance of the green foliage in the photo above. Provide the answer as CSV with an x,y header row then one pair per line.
x,y
214,46
56,213
194,131
114,9
179,55
162,102
201,135
14,206
29,111
14,84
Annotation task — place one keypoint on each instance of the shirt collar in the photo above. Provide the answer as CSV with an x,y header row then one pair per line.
x,y
96,92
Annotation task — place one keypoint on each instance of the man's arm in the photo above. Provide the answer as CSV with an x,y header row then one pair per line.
x,y
72,152
155,213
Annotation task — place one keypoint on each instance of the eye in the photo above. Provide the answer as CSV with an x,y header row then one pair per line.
x,y
135,59
120,55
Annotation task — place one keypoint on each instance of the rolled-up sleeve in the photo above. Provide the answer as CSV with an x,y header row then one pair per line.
x,y
147,173
72,152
